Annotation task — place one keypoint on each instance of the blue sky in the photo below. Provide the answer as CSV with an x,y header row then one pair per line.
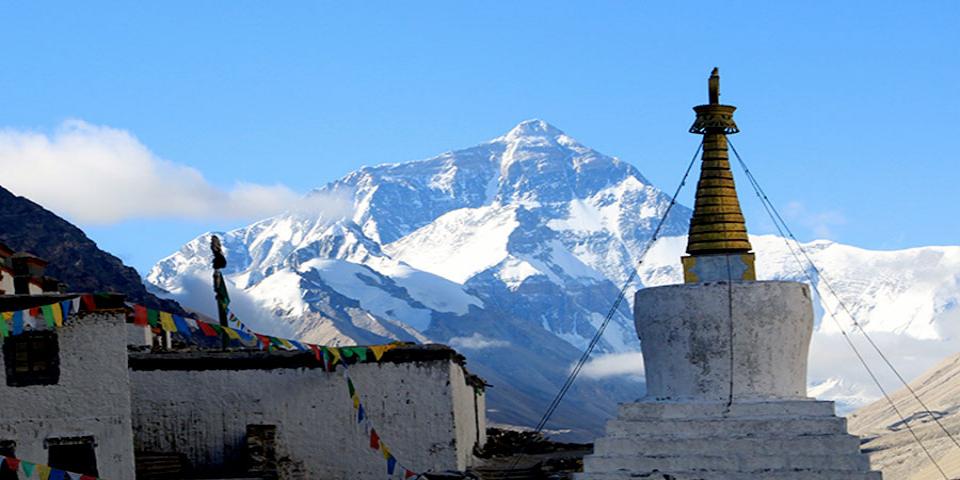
x,y
847,109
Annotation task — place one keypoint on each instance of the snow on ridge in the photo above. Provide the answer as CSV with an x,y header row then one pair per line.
x,y
441,249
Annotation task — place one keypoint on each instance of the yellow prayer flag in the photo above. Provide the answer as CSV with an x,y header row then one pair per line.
x,y
384,450
57,315
43,471
231,333
335,353
166,322
7,315
356,401
379,350
286,344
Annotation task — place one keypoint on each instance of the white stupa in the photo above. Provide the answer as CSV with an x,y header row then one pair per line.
x,y
725,359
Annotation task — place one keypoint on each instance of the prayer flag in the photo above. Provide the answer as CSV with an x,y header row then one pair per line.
x,y
360,414
350,387
166,322
87,477
264,341
67,306
17,323
231,333
152,317
316,352
48,315
73,476
89,304
379,350
11,463
3,326
384,450
57,310
286,344
35,312
356,401
347,353
207,329
27,468
56,474
361,353
182,327
335,353
139,313
407,474
374,440
43,471
391,464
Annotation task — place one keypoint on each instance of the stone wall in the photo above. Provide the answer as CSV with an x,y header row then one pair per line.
x,y
91,398
201,404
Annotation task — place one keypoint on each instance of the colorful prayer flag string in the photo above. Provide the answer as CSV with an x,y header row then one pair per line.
x,y
44,472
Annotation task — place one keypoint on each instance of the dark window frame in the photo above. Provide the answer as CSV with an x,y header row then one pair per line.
x,y
32,358
59,456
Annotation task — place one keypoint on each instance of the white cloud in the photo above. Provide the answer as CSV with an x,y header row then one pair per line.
x,y
100,175
476,341
627,364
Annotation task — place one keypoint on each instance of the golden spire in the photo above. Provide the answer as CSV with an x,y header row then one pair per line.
x,y
717,225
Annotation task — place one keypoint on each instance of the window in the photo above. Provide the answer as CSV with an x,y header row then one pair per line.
x,y
32,358
8,449
73,454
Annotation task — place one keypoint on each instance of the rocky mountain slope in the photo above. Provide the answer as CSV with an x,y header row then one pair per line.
x,y
74,258
513,251
890,444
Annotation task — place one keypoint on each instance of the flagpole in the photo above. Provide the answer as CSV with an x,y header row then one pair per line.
x,y
220,287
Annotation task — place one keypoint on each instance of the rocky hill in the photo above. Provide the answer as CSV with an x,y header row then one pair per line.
x,y
893,449
74,258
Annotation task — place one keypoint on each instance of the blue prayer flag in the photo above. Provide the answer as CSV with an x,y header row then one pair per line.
x,y
18,322
391,464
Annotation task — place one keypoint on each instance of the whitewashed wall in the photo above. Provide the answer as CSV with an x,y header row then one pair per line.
x,y
424,410
92,397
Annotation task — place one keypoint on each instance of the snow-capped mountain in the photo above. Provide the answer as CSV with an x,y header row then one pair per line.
x,y
514,251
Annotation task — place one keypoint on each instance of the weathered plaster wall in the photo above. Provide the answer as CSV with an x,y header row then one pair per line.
x,y
469,415
711,341
91,398
422,409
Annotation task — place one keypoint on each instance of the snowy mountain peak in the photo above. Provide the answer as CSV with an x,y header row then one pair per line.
x,y
533,128
525,241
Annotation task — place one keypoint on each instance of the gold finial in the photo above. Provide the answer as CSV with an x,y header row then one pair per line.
x,y
715,86
717,225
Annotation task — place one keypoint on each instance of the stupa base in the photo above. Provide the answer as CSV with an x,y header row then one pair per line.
x,y
769,440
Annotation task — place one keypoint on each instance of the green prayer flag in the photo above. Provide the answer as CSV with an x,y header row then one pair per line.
x,y
350,387
48,315
361,353
153,317
27,468
3,327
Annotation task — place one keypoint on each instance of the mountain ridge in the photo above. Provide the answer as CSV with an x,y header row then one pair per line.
x,y
534,234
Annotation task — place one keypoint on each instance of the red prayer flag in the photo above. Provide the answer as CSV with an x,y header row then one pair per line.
x,y
408,474
374,440
87,477
139,315
316,352
89,304
11,463
206,329
264,340
35,312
